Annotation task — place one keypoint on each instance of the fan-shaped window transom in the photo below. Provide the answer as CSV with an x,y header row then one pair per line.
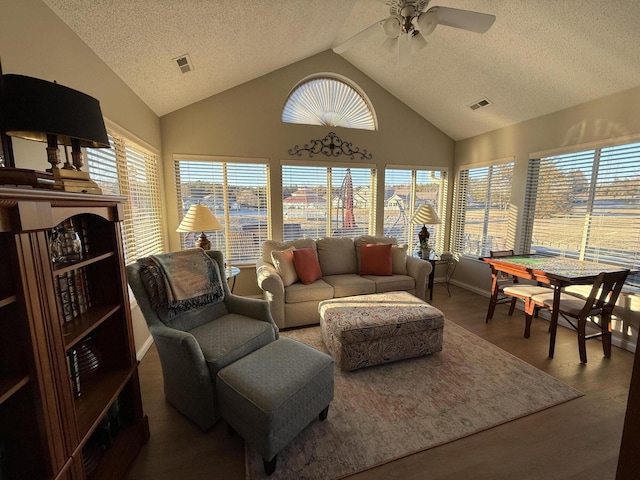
x,y
328,101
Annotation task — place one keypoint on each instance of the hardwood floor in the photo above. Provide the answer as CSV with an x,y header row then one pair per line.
x,y
576,440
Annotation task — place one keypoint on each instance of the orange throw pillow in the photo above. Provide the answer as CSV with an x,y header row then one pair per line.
x,y
307,266
375,259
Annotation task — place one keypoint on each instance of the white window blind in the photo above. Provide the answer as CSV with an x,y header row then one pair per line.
x,y
327,201
586,205
238,195
130,170
404,191
328,101
482,220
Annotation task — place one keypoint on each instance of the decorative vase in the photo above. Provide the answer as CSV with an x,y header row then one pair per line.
x,y
65,245
425,253
89,359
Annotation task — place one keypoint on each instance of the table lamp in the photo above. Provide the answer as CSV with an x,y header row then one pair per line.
x,y
200,218
39,110
425,215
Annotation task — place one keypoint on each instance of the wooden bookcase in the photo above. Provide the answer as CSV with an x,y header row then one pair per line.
x,y
49,427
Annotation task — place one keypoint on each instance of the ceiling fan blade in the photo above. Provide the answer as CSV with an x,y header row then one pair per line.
x,y
358,37
464,19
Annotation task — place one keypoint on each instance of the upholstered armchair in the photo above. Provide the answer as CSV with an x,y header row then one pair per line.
x,y
201,335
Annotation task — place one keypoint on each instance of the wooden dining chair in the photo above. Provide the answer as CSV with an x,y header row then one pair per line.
x,y
510,290
597,308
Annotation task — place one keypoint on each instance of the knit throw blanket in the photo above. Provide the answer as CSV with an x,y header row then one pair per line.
x,y
183,280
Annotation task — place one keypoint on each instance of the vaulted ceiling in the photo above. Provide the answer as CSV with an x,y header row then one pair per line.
x,y
540,56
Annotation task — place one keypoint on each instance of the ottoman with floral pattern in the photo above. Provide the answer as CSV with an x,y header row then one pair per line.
x,y
366,330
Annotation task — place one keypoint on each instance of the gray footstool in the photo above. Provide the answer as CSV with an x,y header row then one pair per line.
x,y
272,394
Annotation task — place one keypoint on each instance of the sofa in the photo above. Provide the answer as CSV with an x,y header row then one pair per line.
x,y
347,266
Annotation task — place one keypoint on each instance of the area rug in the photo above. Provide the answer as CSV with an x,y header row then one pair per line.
x,y
386,412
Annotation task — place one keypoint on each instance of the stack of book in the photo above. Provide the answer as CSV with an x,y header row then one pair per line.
x,y
73,293
74,371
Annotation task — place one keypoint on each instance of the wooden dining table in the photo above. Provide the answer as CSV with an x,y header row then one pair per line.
x,y
557,272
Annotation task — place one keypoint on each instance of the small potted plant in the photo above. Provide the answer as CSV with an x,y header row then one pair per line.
x,y
425,250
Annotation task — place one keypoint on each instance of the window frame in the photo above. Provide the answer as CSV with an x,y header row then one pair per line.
x,y
330,203
139,238
603,161
237,250
310,101
460,211
437,238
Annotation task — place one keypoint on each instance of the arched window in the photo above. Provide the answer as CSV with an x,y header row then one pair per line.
x,y
325,100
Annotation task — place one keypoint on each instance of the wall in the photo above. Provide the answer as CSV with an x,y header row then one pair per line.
x,y
608,120
245,122
35,42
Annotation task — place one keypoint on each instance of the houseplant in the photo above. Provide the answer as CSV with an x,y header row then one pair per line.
x,y
425,250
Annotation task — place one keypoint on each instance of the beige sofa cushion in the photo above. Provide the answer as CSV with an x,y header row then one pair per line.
x,y
393,283
316,291
283,261
269,245
337,255
349,284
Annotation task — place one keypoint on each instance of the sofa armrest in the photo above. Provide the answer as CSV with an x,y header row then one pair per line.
x,y
419,269
271,284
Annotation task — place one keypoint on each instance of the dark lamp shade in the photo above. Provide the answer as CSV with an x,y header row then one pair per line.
x,y
32,108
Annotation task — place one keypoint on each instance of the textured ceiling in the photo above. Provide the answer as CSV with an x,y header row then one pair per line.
x,y
540,56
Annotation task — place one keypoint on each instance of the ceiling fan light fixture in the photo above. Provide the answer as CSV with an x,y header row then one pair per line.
x,y
391,45
408,11
409,18
417,42
427,22
392,26
404,50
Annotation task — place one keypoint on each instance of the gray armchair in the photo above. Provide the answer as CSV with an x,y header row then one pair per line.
x,y
195,344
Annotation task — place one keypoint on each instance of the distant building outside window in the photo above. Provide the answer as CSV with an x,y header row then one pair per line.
x,y
321,201
405,189
237,192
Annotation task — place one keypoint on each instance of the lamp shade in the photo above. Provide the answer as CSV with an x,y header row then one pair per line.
x,y
199,218
425,215
36,109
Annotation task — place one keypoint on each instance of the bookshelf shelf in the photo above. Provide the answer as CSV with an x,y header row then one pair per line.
x,y
11,384
83,325
8,300
97,396
53,418
59,269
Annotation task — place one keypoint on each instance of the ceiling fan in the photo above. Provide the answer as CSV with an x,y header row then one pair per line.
x,y
410,22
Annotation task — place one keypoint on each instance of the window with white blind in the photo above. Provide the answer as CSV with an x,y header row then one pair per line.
x,y
482,220
404,191
237,192
329,101
130,170
586,205
321,201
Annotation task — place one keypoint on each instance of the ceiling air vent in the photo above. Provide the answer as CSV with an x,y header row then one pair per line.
x,y
480,103
184,63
